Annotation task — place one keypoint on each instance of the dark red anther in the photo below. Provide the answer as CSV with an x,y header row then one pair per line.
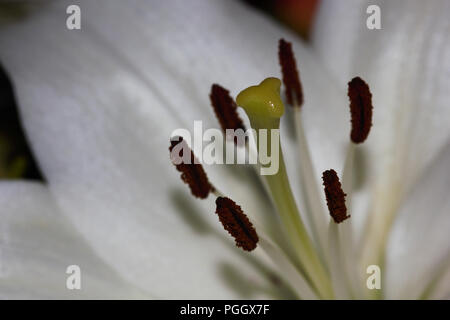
x,y
192,172
360,108
335,196
236,223
291,79
225,109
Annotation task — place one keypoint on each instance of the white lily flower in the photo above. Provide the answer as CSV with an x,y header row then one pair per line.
x,y
99,105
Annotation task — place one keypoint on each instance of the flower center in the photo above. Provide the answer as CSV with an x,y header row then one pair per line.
x,y
312,261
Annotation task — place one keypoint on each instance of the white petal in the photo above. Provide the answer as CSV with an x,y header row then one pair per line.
x,y
442,288
37,244
335,33
419,246
99,105
406,64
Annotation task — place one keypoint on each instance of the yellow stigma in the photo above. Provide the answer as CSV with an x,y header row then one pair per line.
x,y
262,103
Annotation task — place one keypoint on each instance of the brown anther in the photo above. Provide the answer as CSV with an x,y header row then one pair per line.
x,y
236,223
192,172
291,79
335,196
225,109
360,108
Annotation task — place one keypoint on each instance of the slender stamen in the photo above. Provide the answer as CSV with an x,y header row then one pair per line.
x,y
315,213
225,109
347,241
291,80
236,223
192,173
335,196
337,262
361,109
336,205
361,112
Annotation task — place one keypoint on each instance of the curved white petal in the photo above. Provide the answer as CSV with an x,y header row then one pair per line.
x,y
99,105
37,244
406,64
419,246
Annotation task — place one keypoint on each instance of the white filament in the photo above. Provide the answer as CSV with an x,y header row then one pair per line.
x,y
316,215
